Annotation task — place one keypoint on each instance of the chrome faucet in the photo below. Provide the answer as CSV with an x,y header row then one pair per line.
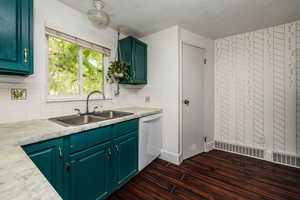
x,y
88,100
87,103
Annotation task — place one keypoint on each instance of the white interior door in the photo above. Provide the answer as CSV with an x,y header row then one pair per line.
x,y
193,100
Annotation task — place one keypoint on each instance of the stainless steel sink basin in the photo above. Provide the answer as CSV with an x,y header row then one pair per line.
x,y
112,114
76,120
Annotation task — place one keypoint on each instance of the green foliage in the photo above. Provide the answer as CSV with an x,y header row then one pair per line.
x,y
117,71
92,71
64,68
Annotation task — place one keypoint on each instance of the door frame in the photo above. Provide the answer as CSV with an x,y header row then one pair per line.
x,y
180,97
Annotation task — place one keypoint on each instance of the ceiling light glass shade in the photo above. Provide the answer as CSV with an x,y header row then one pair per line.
x,y
97,16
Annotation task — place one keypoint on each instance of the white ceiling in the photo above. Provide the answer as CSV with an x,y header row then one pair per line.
x,y
211,18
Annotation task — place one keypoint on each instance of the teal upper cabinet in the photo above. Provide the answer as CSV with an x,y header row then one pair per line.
x,y
48,157
134,52
16,37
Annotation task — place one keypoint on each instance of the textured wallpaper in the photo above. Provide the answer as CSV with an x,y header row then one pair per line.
x,y
258,88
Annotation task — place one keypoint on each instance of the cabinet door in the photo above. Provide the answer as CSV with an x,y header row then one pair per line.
x,y
139,62
134,52
126,158
90,173
8,30
48,157
26,45
16,42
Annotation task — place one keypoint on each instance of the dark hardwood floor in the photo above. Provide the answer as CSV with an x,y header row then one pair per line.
x,y
215,175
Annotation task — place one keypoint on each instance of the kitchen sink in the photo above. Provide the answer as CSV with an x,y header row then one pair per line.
x,y
111,114
77,120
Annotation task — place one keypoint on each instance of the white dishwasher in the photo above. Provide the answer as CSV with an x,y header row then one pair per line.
x,y
150,139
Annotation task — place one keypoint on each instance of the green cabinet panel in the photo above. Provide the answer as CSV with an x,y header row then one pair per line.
x,y
125,127
140,62
90,173
16,37
8,30
134,52
89,138
48,157
126,158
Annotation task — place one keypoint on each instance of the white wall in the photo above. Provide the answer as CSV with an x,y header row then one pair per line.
x,y
57,15
163,63
257,88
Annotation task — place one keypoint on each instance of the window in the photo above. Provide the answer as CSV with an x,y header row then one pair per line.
x,y
63,67
74,69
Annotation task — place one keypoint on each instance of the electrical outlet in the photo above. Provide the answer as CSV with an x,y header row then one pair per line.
x,y
147,99
18,94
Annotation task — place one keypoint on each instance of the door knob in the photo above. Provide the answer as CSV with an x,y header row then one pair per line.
x,y
186,102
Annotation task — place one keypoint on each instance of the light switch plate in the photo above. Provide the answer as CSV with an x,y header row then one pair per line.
x,y
147,99
18,94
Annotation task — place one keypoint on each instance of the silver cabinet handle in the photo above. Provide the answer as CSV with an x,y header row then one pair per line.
x,y
60,152
117,148
109,153
26,54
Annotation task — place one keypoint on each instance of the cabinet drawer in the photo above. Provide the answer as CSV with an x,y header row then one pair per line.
x,y
89,138
126,127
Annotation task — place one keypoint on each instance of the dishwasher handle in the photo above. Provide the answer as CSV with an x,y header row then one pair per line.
x,y
154,118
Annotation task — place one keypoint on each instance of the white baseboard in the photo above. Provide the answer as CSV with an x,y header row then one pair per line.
x,y
170,157
208,146
268,155
282,158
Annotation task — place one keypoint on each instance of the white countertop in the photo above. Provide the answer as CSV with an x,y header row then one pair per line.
x,y
19,177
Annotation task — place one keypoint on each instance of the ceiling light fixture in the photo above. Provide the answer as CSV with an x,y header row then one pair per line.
x,y
97,16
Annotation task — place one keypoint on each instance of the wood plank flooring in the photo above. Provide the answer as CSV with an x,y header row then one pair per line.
x,y
215,175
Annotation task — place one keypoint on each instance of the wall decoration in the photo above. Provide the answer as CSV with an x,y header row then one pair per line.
x,y
258,88
18,94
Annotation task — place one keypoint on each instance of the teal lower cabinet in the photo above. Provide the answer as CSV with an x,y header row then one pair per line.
x,y
89,165
48,157
90,173
126,158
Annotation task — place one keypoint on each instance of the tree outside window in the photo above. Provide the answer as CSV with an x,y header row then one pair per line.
x,y
72,69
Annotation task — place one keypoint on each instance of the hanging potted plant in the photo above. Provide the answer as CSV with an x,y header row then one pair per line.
x,y
118,70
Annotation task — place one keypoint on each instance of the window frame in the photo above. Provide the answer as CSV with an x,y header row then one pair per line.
x,y
81,96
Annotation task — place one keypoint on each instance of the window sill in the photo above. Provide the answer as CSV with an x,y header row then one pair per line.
x,y
51,99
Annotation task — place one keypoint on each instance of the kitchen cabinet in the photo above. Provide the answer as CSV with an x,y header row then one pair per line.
x,y
90,173
126,158
134,52
92,164
48,157
16,37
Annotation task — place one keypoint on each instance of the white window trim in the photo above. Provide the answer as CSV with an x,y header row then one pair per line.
x,y
81,96
75,40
